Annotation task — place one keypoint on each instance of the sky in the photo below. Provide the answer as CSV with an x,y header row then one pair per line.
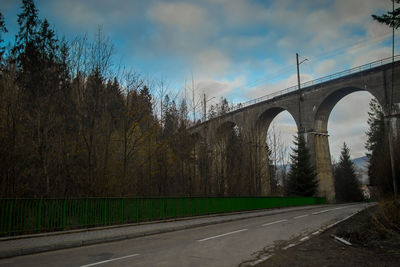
x,y
235,49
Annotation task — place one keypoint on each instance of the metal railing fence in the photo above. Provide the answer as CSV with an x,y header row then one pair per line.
x,y
367,66
29,216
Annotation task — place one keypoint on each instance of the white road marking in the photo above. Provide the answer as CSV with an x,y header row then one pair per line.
x,y
260,260
301,216
230,233
289,246
274,222
102,262
335,223
319,212
317,232
338,208
304,238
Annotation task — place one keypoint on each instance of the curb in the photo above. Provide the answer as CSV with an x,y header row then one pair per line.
x,y
73,244
323,229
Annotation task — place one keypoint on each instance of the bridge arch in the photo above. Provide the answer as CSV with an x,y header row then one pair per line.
x,y
320,144
329,102
265,118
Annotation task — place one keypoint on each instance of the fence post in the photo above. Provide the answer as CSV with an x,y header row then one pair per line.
x,y
39,215
105,212
86,212
163,208
64,214
10,217
184,207
174,206
151,209
193,206
137,209
122,210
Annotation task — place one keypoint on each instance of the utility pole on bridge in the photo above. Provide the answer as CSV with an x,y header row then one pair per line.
x,y
301,130
388,120
205,105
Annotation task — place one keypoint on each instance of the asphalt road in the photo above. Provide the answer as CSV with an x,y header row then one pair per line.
x,y
224,244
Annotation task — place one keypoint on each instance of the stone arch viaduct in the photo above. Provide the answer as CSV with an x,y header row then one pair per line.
x,y
317,99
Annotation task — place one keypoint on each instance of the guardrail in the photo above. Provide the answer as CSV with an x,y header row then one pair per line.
x,y
316,81
28,216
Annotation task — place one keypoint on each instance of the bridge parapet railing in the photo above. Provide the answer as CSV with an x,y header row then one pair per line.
x,y
367,66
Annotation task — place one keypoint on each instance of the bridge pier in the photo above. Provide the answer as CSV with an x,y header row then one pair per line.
x,y
394,123
318,145
262,163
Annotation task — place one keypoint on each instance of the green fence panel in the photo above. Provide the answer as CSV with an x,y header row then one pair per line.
x,y
27,216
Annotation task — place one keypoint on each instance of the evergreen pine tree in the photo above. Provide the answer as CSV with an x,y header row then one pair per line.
x,y
379,169
302,178
346,184
391,18
375,139
25,46
3,29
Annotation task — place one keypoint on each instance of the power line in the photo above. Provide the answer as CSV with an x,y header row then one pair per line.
x,y
361,43
270,77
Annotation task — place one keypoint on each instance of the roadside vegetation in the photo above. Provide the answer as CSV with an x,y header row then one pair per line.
x,y
74,124
302,177
347,186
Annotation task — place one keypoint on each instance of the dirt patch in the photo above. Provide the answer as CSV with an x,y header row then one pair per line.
x,y
374,235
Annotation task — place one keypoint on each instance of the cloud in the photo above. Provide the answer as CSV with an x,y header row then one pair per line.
x,y
325,67
89,14
347,124
183,31
180,16
239,13
212,63
358,11
243,43
6,4
219,88
277,86
370,54
284,126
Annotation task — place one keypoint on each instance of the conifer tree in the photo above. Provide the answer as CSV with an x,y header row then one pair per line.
x,y
391,18
346,184
379,170
302,178
375,139
25,47
3,29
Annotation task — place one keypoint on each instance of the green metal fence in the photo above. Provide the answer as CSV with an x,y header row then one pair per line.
x,y
27,216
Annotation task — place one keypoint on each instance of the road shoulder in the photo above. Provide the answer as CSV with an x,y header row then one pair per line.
x,y
325,250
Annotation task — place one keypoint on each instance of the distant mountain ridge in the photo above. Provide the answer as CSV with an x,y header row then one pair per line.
x,y
361,162
361,165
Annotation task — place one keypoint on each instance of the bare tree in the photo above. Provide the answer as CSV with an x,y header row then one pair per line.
x,y
278,154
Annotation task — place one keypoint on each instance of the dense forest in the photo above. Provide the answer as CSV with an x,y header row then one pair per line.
x,y
72,124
